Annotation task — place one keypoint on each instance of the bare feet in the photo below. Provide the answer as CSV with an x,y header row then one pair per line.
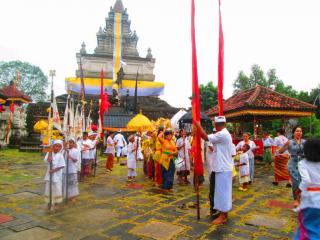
x,y
223,217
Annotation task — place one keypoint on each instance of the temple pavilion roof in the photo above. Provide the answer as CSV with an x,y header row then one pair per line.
x,y
263,103
11,93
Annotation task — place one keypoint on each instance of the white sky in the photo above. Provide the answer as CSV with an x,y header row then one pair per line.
x,y
281,34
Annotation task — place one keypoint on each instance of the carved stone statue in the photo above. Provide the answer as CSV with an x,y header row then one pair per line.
x,y
120,75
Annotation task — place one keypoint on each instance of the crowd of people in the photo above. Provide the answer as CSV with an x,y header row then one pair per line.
x,y
164,153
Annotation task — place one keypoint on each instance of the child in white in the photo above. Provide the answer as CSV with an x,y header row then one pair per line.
x,y
72,179
309,208
131,159
55,156
244,168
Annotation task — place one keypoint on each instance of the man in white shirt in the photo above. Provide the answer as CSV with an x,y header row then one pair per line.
x,y
221,165
86,145
121,142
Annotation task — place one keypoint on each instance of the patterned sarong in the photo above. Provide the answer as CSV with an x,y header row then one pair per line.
x,y
281,172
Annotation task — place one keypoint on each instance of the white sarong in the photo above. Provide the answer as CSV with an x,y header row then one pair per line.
x,y
56,192
223,191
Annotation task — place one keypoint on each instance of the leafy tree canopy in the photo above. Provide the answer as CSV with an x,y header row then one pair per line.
x,y
208,96
271,80
32,82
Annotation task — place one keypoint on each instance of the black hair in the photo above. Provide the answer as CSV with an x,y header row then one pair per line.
x,y
167,132
295,128
247,146
85,133
311,149
281,131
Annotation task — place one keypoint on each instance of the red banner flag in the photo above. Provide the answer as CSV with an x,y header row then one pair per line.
x,y
11,107
104,101
220,66
198,165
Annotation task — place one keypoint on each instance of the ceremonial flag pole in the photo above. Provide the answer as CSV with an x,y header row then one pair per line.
x,y
198,165
50,126
220,65
136,93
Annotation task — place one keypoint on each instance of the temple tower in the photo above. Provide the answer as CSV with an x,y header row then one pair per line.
x,y
103,55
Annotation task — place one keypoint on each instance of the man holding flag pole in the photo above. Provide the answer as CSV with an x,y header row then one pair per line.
x,y
222,162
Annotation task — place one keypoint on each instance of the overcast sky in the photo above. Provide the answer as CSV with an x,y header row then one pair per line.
x,y
281,34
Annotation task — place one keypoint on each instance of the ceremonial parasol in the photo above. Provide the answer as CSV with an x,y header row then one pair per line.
x,y
186,122
187,118
174,120
139,123
2,101
40,125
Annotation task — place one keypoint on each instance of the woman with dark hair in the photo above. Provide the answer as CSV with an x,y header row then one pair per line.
x,y
169,150
309,192
295,147
281,159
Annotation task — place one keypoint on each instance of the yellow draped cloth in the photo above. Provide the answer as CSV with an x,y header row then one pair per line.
x,y
168,150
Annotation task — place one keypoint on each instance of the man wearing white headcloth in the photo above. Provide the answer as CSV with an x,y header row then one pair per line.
x,y
93,150
121,143
221,168
56,157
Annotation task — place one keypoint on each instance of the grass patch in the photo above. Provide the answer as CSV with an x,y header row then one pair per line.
x,y
13,156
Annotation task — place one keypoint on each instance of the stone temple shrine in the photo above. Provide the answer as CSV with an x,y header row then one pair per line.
x,y
128,77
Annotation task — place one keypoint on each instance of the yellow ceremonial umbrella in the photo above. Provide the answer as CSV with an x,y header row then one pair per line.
x,y
139,123
2,101
40,125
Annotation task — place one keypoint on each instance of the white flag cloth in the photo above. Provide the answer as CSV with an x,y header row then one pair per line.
x,y
55,118
65,126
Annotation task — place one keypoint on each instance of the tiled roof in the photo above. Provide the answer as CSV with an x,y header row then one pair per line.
x,y
261,98
11,91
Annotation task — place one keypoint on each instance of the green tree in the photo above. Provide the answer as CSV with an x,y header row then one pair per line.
x,y
208,96
241,83
33,82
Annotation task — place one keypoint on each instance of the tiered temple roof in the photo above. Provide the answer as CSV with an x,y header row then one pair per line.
x,y
11,93
264,103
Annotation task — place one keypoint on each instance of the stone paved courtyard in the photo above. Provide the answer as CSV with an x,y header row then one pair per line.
x,y
110,208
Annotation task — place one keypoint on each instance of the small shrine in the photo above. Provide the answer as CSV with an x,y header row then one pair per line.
x,y
12,114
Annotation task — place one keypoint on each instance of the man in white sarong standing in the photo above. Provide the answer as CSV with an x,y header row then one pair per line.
x,y
221,169
121,143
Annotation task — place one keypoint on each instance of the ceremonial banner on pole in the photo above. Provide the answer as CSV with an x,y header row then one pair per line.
x,y
55,115
220,66
198,165
65,127
103,102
